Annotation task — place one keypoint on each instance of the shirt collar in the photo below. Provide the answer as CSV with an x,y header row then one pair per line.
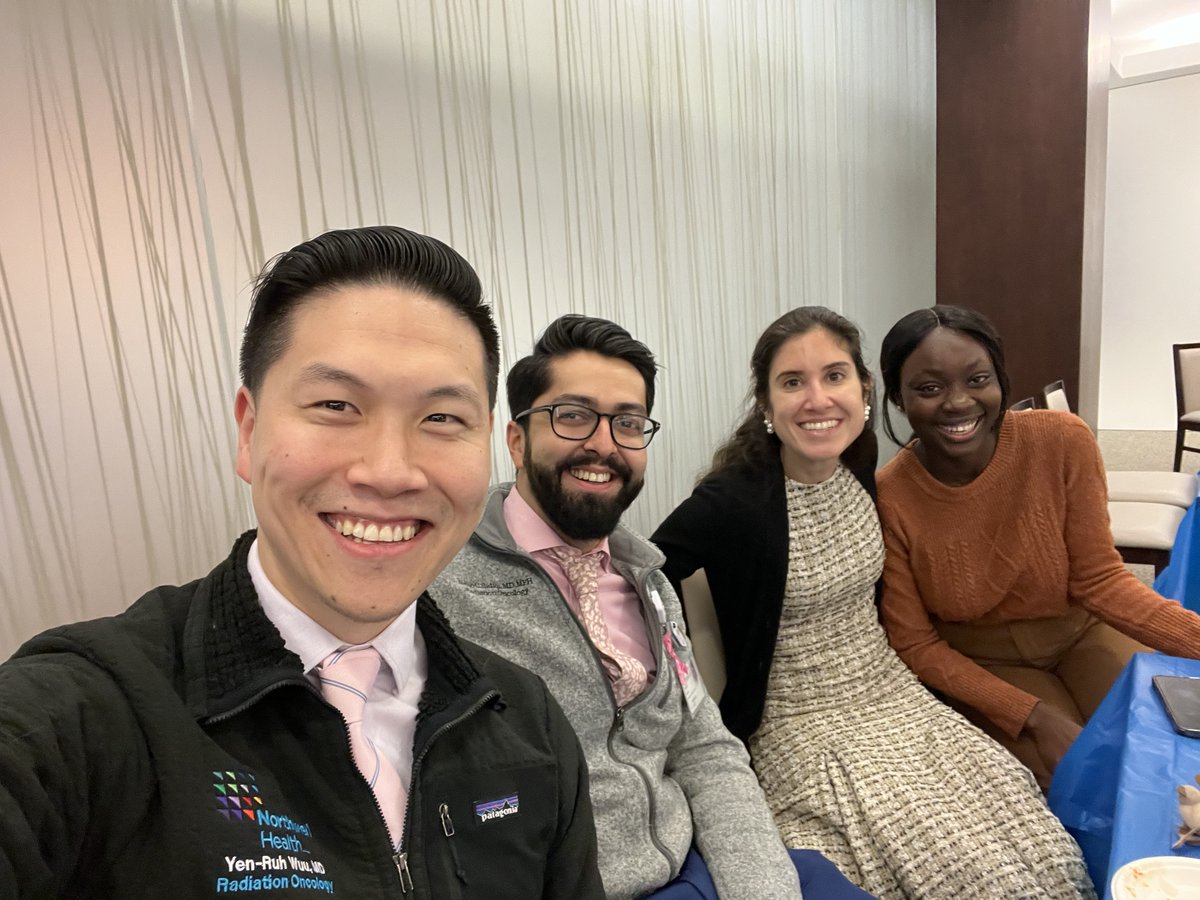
x,y
531,532
312,643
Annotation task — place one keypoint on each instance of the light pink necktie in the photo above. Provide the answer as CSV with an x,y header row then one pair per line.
x,y
346,678
583,572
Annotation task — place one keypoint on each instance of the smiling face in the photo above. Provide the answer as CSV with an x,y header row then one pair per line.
x,y
581,488
953,400
816,403
367,453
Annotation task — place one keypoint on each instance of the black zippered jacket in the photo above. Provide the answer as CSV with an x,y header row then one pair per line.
x,y
178,751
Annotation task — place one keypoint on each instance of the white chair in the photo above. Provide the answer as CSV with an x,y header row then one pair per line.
x,y
704,632
1144,532
1055,395
1187,396
1173,488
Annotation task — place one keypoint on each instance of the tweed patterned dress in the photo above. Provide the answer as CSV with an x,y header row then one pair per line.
x,y
860,762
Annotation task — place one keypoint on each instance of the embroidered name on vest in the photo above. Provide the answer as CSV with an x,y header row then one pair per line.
x,y
515,587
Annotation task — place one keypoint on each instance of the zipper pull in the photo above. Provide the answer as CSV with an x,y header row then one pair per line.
x,y
619,719
448,830
401,861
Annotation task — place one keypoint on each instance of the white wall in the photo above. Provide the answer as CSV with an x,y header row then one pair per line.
x,y
1151,251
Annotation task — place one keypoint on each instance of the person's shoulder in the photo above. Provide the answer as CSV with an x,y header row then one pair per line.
x,y
53,672
521,689
1049,425
494,665
464,658
475,558
107,665
1044,421
902,491
735,476
631,548
90,671
152,627
740,487
896,471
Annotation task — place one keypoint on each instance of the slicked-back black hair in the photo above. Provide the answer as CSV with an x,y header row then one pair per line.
x,y
376,255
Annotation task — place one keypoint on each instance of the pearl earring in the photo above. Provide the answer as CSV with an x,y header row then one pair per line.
x,y
770,427
866,410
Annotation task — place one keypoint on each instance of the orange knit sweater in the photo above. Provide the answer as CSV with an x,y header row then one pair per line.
x,y
1027,539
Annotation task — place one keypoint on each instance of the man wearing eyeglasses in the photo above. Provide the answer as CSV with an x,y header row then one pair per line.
x,y
554,582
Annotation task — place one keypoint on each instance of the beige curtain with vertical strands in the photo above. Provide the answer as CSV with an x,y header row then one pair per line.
x,y
689,169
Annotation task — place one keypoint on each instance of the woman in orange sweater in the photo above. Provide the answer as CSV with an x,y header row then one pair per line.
x,y
1002,588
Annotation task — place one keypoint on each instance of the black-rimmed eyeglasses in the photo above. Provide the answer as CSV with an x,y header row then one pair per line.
x,y
578,423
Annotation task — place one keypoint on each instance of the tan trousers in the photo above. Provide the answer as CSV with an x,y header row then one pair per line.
x,y
1068,662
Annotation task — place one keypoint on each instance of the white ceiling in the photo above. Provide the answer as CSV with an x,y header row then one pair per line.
x,y
1154,39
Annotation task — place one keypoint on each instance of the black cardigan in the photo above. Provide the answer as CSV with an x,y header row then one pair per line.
x,y
735,527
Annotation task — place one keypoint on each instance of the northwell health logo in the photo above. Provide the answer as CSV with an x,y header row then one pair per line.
x,y
237,795
238,800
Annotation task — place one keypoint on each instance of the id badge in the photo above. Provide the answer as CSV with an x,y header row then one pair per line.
x,y
679,650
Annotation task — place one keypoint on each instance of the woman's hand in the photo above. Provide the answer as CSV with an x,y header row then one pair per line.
x,y
1053,731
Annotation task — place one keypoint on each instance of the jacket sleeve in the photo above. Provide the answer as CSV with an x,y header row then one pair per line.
x,y
572,867
1099,581
732,825
66,743
688,536
912,635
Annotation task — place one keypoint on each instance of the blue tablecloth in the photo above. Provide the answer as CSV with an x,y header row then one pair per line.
x,y
1115,788
1181,579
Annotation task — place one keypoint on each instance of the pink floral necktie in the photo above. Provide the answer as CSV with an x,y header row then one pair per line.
x,y
346,678
583,572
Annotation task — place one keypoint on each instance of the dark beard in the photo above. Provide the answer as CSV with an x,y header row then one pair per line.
x,y
580,516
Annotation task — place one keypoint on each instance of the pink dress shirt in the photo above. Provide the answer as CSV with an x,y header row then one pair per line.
x,y
619,602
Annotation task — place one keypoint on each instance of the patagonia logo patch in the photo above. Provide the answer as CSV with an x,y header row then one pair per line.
x,y
487,810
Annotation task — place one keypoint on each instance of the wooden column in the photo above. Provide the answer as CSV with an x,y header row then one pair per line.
x,y
1012,117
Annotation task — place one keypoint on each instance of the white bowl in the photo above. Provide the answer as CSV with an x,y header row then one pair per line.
x,y
1158,878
